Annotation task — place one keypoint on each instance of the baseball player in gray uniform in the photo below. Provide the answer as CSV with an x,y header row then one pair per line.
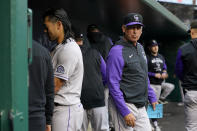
x,y
68,72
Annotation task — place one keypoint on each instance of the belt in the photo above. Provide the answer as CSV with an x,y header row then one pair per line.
x,y
138,105
57,104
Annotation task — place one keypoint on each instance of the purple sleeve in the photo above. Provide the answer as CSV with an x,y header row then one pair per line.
x,y
103,70
115,64
151,94
179,66
165,66
151,74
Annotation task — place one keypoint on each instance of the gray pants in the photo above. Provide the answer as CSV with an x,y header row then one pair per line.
x,y
98,117
190,103
67,118
142,121
181,91
166,87
106,91
108,106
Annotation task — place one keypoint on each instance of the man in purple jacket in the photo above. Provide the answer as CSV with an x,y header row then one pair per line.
x,y
128,81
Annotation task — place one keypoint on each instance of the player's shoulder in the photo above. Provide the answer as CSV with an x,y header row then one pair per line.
x,y
148,56
140,45
70,49
116,47
38,46
116,50
160,56
185,46
38,49
71,45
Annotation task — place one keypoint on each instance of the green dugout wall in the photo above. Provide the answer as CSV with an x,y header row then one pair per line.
x,y
13,67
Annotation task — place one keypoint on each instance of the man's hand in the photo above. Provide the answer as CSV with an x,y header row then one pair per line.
x,y
154,105
164,75
130,119
158,75
48,128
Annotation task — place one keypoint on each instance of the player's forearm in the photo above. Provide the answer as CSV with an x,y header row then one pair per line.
x,y
58,84
151,94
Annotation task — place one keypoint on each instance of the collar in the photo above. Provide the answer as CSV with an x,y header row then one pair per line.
x,y
128,43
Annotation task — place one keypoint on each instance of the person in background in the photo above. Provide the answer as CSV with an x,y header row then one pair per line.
x,y
92,95
41,89
186,71
102,44
98,40
157,72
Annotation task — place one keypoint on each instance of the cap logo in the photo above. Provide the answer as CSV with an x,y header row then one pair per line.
x,y
136,17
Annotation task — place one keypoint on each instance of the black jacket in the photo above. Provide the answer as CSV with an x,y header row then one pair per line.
x,y
41,84
92,94
188,57
134,83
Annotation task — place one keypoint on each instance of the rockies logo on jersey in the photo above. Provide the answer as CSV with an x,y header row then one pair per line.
x,y
60,69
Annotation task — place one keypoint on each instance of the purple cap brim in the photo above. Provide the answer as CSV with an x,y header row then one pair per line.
x,y
134,23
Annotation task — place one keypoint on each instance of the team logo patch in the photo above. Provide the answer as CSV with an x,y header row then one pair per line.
x,y
136,17
130,56
60,69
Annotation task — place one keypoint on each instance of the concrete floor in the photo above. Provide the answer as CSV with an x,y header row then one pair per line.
x,y
173,119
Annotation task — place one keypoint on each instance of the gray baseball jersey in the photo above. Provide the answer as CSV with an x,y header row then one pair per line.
x,y
68,65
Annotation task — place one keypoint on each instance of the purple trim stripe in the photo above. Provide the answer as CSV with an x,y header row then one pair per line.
x,y
61,77
165,66
134,23
68,118
151,74
179,66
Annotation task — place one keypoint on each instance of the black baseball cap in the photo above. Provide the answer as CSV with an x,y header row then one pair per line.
x,y
78,32
193,24
152,43
78,35
92,27
133,19
59,13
